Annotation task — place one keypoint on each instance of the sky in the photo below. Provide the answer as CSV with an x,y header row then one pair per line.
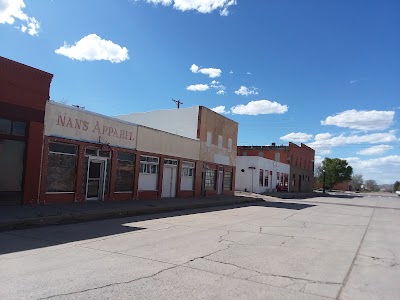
x,y
323,73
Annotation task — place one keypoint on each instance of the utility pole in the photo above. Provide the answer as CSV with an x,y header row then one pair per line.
x,y
178,102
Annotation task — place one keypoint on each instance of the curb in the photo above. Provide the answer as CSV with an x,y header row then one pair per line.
x,y
74,218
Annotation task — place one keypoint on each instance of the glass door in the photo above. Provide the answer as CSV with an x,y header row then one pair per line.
x,y
95,179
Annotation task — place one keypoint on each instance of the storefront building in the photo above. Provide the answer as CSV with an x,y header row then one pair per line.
x,y
54,153
91,157
300,158
261,175
24,92
217,137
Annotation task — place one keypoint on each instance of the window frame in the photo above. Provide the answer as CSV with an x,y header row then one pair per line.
x,y
149,165
76,154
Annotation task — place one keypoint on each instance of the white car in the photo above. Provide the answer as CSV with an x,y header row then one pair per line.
x,y
398,193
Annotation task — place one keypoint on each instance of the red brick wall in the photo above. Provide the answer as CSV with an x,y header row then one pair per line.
x,y
24,92
267,153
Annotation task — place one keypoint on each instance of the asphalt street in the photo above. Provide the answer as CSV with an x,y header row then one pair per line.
x,y
339,247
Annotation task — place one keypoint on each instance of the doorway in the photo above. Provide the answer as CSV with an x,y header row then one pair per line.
x,y
96,179
169,181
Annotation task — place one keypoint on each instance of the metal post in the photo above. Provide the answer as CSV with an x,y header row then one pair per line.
x,y
323,182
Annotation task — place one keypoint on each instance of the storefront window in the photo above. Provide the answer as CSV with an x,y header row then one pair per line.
x,y
11,165
228,181
210,180
261,178
149,165
125,172
15,128
61,168
18,128
5,126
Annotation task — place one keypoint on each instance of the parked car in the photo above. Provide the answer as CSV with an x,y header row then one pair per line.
x,y
398,193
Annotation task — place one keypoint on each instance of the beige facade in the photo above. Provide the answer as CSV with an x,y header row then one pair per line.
x,y
217,134
156,141
78,124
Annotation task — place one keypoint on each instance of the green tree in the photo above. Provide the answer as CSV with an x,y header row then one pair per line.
x,y
371,185
357,181
336,170
396,186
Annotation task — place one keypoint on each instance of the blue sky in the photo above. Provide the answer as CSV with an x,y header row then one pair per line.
x,y
326,73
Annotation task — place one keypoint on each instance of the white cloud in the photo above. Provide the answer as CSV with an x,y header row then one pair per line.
x,y
357,80
194,68
362,120
230,72
202,6
198,87
221,92
383,169
318,159
379,149
92,47
211,72
245,91
324,142
220,110
12,10
218,86
259,107
296,137
322,136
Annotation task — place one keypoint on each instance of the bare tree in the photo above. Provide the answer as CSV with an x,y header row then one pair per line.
x,y
371,185
357,181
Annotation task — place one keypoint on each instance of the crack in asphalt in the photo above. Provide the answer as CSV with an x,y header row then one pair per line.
x,y
110,284
269,274
346,279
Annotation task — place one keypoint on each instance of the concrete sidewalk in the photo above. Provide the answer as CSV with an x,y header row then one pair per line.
x,y
20,217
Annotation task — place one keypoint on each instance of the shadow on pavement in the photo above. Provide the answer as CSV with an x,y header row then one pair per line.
x,y
53,235
312,195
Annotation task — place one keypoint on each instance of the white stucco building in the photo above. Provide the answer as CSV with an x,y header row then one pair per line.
x,y
261,175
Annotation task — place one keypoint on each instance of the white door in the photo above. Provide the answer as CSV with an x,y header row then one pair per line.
x,y
169,181
220,180
95,181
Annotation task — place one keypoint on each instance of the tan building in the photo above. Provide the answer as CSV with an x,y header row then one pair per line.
x,y
216,134
88,156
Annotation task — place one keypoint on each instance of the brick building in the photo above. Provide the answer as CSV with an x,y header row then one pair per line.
x,y
300,158
54,153
217,136
24,92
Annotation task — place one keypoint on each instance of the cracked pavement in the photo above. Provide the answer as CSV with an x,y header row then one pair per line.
x,y
327,248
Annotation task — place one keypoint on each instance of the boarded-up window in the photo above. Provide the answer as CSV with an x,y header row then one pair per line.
x,y
61,168
125,172
209,138
277,156
220,141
